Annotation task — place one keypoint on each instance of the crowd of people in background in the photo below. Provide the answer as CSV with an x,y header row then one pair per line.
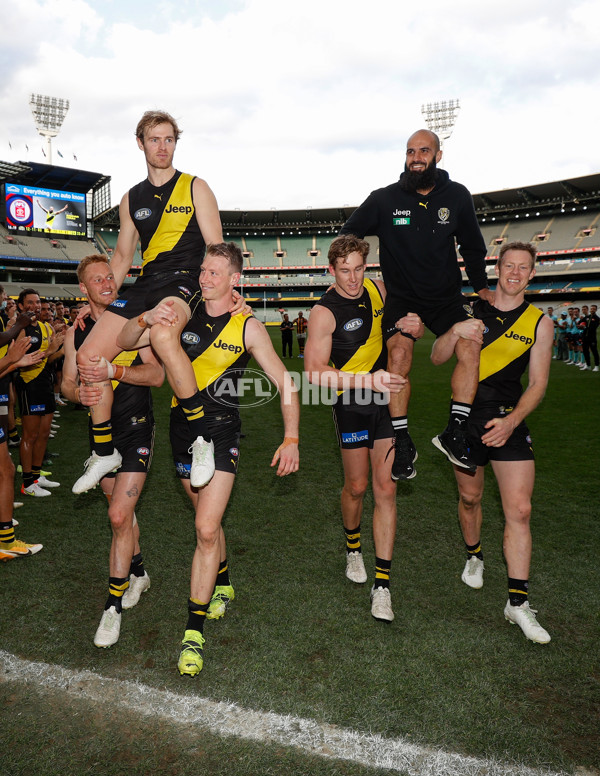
x,y
576,336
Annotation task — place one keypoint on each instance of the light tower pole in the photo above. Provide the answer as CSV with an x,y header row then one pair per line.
x,y
48,116
440,117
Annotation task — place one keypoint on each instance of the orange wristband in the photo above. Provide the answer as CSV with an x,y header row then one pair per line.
x,y
119,371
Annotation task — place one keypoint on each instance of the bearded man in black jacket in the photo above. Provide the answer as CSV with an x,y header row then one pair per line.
x,y
419,220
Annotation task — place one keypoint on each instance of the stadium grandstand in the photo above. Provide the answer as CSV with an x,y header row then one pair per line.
x,y
285,251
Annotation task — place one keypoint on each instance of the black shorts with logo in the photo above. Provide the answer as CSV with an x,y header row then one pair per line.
x,y
518,447
438,317
360,425
149,290
36,397
135,442
225,431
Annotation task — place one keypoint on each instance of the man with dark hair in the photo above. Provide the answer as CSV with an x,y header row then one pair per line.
x,y
287,335
418,221
219,346
588,337
346,352
515,337
301,325
131,373
173,215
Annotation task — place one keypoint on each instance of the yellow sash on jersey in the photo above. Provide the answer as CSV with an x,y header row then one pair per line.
x,y
222,353
165,238
366,355
504,350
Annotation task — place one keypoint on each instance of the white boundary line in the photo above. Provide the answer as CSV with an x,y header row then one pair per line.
x,y
229,719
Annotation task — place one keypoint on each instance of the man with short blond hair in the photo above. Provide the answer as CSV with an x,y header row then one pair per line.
x,y
515,336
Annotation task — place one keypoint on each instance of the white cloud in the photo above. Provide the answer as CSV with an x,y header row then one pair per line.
x,y
310,103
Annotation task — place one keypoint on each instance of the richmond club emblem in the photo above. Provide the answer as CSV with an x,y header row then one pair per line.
x,y
443,214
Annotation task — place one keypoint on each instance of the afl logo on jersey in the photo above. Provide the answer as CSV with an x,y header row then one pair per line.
x,y
354,324
142,214
34,340
190,338
185,290
143,451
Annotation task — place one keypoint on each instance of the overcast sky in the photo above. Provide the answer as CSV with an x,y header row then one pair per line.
x,y
308,103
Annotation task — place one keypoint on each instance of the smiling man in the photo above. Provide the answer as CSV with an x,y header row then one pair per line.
x,y
131,373
218,346
515,336
418,221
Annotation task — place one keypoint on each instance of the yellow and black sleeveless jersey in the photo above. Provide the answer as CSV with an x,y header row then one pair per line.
x,y
357,344
165,219
4,381
217,349
4,348
41,334
507,341
131,402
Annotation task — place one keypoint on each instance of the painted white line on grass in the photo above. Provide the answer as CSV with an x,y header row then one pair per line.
x,y
229,719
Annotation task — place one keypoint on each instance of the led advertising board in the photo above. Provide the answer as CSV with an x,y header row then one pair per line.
x,y
36,209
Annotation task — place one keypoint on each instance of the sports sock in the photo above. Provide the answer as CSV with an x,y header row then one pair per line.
x,y
13,434
7,532
36,472
194,414
223,574
196,615
116,587
474,550
353,539
137,566
28,479
459,412
102,442
518,590
400,424
382,572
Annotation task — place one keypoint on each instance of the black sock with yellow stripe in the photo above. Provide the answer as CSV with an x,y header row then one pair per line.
x,y
137,566
36,472
353,539
7,532
382,572
13,434
518,591
102,441
196,615
194,414
223,574
116,587
474,550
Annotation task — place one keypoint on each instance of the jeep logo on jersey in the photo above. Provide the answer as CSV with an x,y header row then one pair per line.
x,y
190,338
142,214
443,214
252,389
513,335
178,209
220,345
354,324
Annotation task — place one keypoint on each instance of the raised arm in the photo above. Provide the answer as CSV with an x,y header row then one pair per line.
x,y
259,345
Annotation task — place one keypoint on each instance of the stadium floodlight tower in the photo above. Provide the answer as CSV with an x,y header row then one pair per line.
x,y
48,116
440,117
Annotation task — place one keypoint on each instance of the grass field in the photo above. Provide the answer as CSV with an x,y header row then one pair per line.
x,y
299,640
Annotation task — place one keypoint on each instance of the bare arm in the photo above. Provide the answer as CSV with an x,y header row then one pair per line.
x,y
207,212
17,356
260,347
149,372
122,257
445,345
15,330
540,358
318,353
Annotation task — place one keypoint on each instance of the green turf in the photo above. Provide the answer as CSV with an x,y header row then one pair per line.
x,y
299,638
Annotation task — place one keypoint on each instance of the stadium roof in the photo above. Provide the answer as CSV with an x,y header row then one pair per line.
x,y
585,190
51,177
